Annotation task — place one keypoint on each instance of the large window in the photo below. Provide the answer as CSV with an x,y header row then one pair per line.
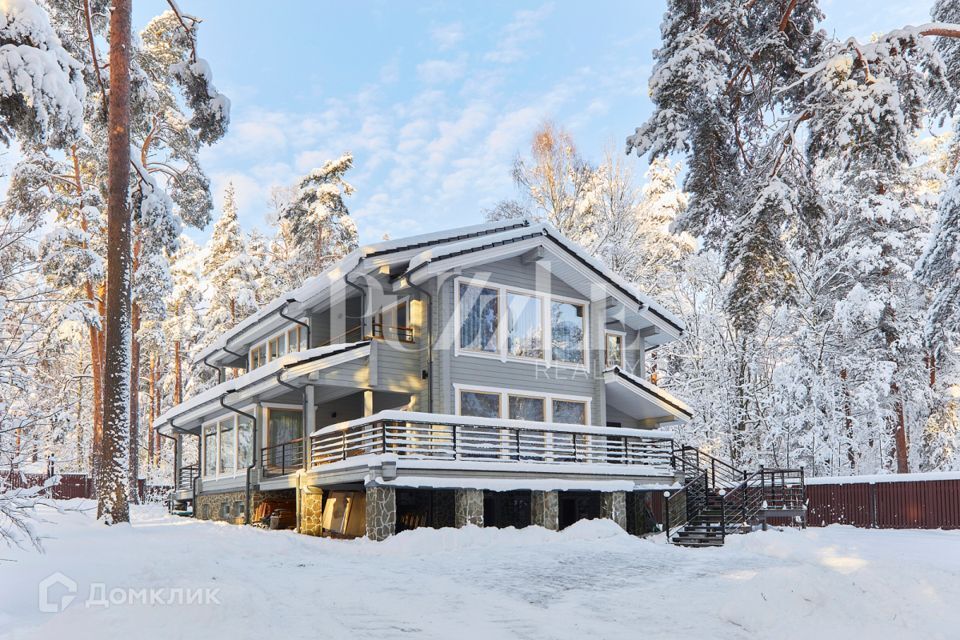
x,y
517,324
227,446
529,406
284,426
244,442
567,331
569,412
614,350
479,404
479,318
210,451
524,326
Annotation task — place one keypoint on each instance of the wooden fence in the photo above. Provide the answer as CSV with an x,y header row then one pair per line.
x,y
71,485
914,501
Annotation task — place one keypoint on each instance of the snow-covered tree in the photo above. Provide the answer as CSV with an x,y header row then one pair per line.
x,y
317,221
229,269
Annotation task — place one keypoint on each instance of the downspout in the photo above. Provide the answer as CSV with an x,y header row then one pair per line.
x,y
218,369
253,462
295,321
429,297
363,303
303,437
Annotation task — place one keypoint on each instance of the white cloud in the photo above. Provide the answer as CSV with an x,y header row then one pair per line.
x,y
447,36
519,32
440,71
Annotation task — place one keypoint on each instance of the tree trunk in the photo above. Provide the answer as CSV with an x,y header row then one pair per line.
x,y
113,461
151,447
134,470
177,374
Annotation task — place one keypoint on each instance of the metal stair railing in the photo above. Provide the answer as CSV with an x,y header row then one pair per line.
x,y
692,461
683,505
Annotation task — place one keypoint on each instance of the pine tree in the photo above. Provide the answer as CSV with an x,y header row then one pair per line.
x,y
317,220
230,271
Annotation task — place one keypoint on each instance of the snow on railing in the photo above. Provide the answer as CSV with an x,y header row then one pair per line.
x,y
446,437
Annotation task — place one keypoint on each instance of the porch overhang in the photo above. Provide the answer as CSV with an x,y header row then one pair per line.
x,y
300,368
643,400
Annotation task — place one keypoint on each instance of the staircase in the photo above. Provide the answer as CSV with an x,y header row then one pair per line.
x,y
718,499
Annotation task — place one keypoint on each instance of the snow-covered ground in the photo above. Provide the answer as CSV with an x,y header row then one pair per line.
x,y
590,581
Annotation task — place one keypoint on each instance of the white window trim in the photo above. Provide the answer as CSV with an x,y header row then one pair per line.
x,y
266,417
506,392
265,343
237,470
502,325
623,347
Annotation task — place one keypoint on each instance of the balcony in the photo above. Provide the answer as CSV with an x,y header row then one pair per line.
x,y
425,444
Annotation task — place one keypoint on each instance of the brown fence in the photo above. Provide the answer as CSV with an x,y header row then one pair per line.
x,y
886,504
71,485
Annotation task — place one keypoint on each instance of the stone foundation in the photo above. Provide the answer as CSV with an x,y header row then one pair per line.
x,y
545,509
381,512
613,506
311,512
210,506
468,507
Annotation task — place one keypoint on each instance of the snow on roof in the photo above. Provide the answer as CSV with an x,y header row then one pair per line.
x,y
545,229
885,477
450,249
654,390
410,242
452,241
258,374
317,285
310,288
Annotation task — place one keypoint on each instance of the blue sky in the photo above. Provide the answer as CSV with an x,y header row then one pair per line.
x,y
434,99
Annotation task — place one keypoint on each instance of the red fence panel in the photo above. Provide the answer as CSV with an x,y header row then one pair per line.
x,y
71,485
886,503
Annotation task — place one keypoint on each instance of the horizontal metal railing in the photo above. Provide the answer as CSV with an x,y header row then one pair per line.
x,y
186,477
281,459
446,438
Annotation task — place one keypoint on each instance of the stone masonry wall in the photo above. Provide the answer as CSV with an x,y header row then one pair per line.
x,y
381,512
545,509
613,505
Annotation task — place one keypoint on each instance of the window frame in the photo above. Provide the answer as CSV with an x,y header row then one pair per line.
x,y
502,353
215,423
284,334
542,302
458,319
622,335
506,392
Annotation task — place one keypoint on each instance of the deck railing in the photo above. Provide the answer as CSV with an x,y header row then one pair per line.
x,y
430,436
281,459
186,477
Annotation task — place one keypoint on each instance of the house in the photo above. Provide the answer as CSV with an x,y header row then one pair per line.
x,y
490,375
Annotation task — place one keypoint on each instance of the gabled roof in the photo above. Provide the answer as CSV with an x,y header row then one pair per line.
x,y
316,285
422,251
